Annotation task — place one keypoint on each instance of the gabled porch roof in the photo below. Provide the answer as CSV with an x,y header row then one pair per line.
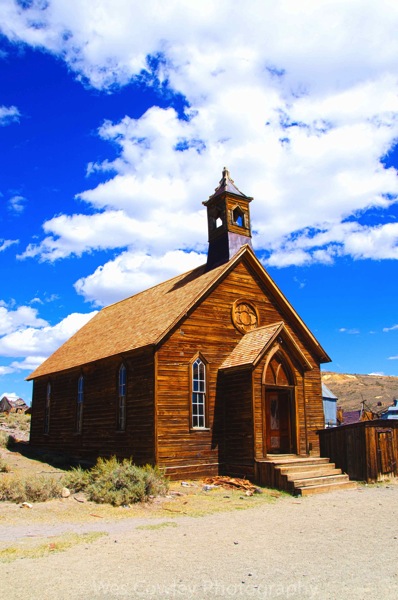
x,y
254,344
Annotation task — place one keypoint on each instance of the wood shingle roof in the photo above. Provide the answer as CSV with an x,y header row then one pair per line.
x,y
135,322
145,318
251,346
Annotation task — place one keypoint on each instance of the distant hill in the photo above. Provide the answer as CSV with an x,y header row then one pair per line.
x,y
378,391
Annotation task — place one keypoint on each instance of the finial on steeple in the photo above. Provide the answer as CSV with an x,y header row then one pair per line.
x,y
227,184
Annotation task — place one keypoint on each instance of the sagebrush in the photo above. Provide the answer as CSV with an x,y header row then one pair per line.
x,y
4,468
4,439
30,488
17,421
116,482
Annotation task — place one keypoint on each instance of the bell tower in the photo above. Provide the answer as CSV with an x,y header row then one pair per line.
x,y
228,220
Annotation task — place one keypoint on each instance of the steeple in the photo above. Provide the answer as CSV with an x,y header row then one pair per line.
x,y
228,220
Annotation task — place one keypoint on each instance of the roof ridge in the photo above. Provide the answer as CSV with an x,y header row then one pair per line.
x,y
153,287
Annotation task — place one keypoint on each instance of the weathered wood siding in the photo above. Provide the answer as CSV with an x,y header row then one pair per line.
x,y
367,451
210,331
158,425
236,397
99,436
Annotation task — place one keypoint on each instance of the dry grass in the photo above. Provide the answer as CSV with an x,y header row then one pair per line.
x,y
28,548
4,466
4,439
16,421
158,526
33,488
191,500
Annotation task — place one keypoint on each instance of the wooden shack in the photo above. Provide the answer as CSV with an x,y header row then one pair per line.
x,y
210,372
367,450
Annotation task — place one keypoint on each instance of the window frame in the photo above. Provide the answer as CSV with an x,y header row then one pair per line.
x,y
79,405
121,418
47,408
194,392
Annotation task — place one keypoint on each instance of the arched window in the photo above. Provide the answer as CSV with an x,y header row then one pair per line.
x,y
47,409
80,400
121,413
198,394
278,372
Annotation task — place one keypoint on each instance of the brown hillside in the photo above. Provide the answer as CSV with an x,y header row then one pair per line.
x,y
377,391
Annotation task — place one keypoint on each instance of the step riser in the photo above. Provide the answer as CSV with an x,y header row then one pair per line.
x,y
312,474
322,489
299,483
304,468
298,462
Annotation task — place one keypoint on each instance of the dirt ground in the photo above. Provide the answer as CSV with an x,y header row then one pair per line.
x,y
199,544
333,546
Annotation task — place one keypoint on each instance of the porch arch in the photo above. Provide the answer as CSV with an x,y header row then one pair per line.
x,y
279,384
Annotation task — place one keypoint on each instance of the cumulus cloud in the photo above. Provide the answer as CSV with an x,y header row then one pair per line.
x,y
22,317
24,334
130,273
40,339
300,102
8,114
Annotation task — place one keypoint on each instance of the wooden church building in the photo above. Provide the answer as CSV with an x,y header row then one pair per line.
x,y
211,372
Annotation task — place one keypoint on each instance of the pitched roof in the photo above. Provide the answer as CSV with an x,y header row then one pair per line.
x,y
251,347
227,184
144,319
254,344
135,322
326,393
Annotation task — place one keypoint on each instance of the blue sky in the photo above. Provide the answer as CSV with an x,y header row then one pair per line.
x,y
116,120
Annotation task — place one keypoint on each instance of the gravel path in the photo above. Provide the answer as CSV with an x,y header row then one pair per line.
x,y
342,545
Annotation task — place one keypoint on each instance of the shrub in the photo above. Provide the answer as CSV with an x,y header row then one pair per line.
x,y
4,468
18,421
77,479
117,483
4,439
34,488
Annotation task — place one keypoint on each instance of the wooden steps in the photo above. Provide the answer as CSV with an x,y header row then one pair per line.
x,y
306,475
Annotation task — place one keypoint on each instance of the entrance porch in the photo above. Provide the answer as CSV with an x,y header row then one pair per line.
x,y
300,475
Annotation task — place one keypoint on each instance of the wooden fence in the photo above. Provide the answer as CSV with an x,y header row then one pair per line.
x,y
366,451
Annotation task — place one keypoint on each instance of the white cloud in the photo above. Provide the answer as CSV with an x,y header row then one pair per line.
x,y
394,327
22,317
8,114
130,273
17,204
393,358
24,334
41,339
4,244
351,331
299,100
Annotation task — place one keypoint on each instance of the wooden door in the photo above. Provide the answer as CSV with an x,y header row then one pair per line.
x,y
278,422
385,451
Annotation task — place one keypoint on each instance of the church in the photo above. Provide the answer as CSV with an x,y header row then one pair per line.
x,y
211,372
